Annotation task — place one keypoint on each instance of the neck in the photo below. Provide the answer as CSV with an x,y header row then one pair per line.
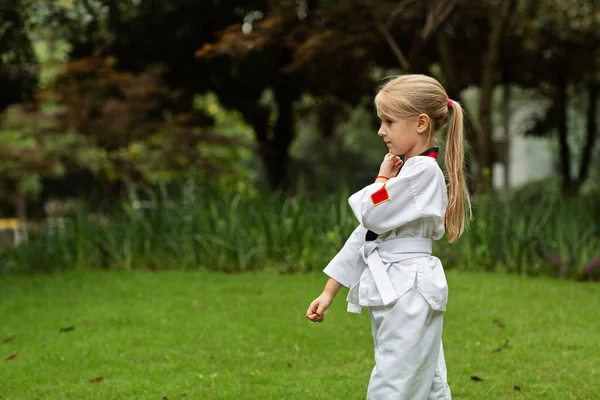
x,y
417,150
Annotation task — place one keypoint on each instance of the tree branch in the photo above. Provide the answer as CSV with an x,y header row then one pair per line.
x,y
438,14
401,6
383,29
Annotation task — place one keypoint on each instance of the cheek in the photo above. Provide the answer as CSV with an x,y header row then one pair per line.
x,y
398,134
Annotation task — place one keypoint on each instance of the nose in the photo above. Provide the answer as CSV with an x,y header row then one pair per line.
x,y
380,132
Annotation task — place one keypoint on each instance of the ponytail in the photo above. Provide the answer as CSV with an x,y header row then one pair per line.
x,y
458,212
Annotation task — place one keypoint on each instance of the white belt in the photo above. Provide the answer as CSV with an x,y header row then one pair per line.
x,y
375,255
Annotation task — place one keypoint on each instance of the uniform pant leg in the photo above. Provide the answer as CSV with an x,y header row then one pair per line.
x,y
407,337
440,389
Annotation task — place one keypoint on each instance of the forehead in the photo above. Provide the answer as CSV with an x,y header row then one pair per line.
x,y
382,107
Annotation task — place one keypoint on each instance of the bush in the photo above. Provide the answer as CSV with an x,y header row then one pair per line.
x,y
549,235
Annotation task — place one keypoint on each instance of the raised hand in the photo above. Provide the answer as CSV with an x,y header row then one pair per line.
x,y
390,166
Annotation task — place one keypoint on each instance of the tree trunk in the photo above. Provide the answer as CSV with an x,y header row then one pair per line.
x,y
274,148
562,104
507,141
453,88
21,206
591,131
484,145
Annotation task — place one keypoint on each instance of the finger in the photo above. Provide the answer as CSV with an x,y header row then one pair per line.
x,y
320,309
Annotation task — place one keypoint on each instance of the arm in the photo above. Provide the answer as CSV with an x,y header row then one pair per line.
x,y
382,207
340,267
320,304
339,271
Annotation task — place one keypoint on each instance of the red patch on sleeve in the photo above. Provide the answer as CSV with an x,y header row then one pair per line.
x,y
380,196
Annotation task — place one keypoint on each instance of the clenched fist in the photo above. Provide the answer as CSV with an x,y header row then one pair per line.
x,y
317,308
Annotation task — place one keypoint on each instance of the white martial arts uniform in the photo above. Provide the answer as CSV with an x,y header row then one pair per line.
x,y
398,279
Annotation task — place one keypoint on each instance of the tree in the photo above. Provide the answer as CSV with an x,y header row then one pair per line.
x,y
323,49
30,150
18,65
131,140
565,34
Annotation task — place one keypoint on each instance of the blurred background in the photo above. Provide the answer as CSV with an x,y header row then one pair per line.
x,y
226,135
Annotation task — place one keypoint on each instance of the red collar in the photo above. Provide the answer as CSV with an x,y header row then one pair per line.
x,y
432,152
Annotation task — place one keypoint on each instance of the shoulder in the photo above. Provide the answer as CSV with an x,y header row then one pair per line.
x,y
421,167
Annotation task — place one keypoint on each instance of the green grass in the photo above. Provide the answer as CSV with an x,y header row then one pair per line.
x,y
213,336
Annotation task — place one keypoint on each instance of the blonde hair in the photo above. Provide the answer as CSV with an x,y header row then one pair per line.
x,y
407,97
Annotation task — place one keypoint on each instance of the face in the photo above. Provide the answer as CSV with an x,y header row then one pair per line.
x,y
404,136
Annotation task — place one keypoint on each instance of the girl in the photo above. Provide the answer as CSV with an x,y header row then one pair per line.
x,y
387,263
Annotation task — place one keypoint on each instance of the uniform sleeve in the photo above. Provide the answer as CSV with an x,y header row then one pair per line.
x,y
413,194
341,266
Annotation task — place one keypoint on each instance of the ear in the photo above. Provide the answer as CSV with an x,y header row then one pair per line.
x,y
423,122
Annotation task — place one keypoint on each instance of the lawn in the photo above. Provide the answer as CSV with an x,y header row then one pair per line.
x,y
193,335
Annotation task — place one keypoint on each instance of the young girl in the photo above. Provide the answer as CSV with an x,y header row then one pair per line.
x,y
387,263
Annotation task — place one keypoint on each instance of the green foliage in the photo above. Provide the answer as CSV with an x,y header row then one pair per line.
x,y
348,155
536,233
532,235
234,154
98,119
31,150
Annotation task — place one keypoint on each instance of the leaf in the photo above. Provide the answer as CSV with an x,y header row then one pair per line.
x,y
476,378
97,380
12,357
8,339
499,323
67,329
504,346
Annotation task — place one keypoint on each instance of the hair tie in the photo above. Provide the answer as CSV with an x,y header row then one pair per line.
x,y
449,103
